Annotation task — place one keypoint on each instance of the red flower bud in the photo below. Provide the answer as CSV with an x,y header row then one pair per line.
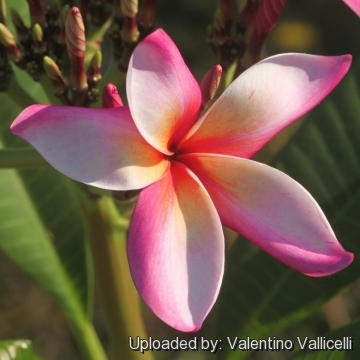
x,y
111,97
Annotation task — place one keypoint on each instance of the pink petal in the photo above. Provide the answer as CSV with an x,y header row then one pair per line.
x,y
100,147
272,210
164,97
354,5
176,249
262,101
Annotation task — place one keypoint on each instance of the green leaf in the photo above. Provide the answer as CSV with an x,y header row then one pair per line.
x,y
25,240
41,230
259,294
17,350
43,208
351,331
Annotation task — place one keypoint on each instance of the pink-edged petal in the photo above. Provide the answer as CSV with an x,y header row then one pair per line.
x,y
272,210
262,101
164,97
99,147
354,6
176,249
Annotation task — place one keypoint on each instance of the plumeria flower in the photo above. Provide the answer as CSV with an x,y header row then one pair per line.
x,y
354,6
196,174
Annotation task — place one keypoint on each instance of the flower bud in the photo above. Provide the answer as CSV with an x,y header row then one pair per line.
x,y
93,73
130,32
53,72
75,43
75,34
3,12
257,20
129,8
266,16
147,13
38,46
210,84
111,97
130,36
7,39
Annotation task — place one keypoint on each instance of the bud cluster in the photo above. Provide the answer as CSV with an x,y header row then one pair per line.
x,y
241,39
41,49
34,43
57,30
130,26
225,47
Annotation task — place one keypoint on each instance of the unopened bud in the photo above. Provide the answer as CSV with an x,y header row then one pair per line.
x,y
257,20
75,43
75,34
38,12
130,36
8,40
147,13
266,16
23,33
37,34
210,84
130,32
129,8
39,46
111,97
53,72
94,71
3,12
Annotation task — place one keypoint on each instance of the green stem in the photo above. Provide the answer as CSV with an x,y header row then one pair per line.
x,y
19,96
88,341
107,232
227,77
20,158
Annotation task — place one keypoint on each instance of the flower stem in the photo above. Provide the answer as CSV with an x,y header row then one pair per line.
x,y
107,236
20,158
227,77
88,341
